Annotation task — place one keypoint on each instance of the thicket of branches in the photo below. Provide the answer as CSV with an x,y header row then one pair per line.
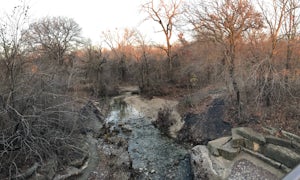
x,y
38,121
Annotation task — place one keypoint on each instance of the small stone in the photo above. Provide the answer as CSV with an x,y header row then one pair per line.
x,y
152,171
140,169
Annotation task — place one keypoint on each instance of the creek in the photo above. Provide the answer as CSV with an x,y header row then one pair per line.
x,y
153,155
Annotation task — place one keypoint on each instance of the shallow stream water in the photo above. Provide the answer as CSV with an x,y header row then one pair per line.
x,y
153,155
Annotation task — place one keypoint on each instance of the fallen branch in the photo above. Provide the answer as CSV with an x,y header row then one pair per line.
x,y
72,171
29,172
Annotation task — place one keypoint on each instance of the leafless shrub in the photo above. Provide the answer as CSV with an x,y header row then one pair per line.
x,y
46,129
269,84
164,120
40,123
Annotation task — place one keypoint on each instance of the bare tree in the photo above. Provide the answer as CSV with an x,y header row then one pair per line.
x,y
142,52
274,14
120,42
225,22
93,65
53,36
290,26
165,15
11,26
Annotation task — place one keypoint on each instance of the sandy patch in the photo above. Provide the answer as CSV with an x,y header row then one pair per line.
x,y
150,108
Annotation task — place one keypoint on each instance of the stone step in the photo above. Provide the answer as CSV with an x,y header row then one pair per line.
x,y
237,140
223,147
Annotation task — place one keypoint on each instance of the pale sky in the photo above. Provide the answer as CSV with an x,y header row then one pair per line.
x,y
93,16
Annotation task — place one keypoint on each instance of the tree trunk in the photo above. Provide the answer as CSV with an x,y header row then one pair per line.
x,y
287,64
231,55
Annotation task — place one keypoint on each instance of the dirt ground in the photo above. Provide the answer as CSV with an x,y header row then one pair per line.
x,y
282,116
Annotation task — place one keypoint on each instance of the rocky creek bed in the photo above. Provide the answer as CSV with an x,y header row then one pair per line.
x,y
127,145
152,154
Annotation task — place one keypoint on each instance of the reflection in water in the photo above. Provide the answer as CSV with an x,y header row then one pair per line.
x,y
120,113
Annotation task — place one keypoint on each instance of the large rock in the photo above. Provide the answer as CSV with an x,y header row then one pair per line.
x,y
204,166
202,128
282,155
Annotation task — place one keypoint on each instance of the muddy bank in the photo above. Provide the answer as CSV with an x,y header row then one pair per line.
x,y
207,126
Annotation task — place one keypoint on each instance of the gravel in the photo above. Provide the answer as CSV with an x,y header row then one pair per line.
x,y
246,170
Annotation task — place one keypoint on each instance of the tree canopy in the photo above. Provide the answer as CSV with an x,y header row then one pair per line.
x,y
53,36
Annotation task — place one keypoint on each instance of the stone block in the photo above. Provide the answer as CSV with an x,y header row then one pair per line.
x,y
228,152
282,154
278,141
296,146
214,145
223,147
291,136
251,135
237,140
